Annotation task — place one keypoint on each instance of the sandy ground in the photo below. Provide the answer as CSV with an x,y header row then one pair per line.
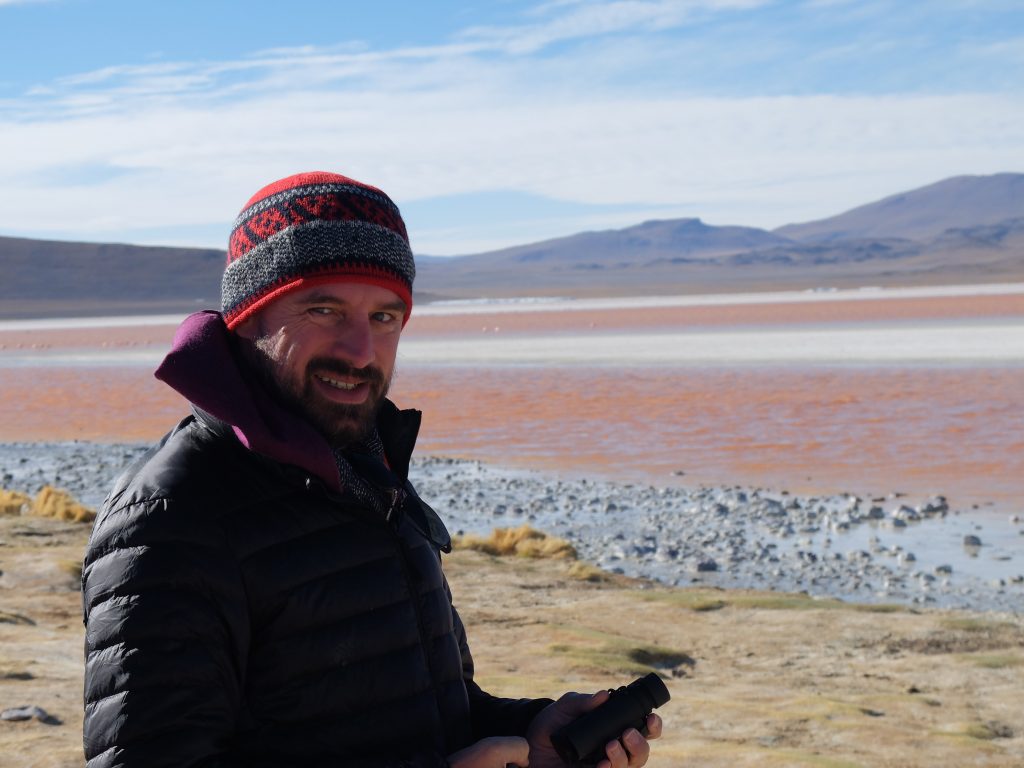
x,y
756,679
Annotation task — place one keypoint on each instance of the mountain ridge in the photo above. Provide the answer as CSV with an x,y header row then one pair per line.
x,y
966,229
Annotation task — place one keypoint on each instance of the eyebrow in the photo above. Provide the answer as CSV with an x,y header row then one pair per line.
x,y
327,298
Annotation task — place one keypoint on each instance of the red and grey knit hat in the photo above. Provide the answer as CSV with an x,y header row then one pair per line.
x,y
313,228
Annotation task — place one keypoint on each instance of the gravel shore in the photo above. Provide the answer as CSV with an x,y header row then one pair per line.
x,y
891,549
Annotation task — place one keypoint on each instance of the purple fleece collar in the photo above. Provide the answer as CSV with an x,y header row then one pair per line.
x,y
202,367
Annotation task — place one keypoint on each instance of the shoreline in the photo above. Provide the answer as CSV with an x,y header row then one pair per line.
x,y
521,305
890,549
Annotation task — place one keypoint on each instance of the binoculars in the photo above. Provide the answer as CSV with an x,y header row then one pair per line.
x,y
583,740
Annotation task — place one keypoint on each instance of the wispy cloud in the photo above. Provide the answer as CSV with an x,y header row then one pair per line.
x,y
134,149
560,21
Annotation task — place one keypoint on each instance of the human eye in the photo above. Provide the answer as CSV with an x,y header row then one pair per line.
x,y
321,313
384,317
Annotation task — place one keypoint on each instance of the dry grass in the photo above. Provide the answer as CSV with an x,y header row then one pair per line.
x,y
14,502
585,572
60,505
523,541
49,502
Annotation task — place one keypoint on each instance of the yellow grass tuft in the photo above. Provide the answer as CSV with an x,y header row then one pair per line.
x,y
58,504
13,502
586,572
523,541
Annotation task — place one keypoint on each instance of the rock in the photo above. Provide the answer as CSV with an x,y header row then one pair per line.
x,y
707,566
972,541
945,570
17,714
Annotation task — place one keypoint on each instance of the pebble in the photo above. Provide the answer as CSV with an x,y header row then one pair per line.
x,y
734,537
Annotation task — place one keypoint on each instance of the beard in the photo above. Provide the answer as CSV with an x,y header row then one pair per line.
x,y
341,424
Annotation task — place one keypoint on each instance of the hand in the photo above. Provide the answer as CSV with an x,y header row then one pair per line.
x,y
630,750
493,752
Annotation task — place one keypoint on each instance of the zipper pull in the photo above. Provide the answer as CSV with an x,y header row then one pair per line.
x,y
395,505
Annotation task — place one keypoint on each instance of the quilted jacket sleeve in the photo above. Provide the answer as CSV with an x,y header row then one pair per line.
x,y
166,643
166,630
492,715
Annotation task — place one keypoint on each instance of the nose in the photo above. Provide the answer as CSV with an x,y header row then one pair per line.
x,y
353,343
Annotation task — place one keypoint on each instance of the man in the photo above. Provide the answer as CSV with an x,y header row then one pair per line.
x,y
264,587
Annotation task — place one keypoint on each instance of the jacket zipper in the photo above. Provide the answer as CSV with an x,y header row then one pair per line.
x,y
397,498
405,562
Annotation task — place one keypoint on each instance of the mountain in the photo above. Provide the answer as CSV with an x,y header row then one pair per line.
x,y
958,202
968,229
965,229
66,279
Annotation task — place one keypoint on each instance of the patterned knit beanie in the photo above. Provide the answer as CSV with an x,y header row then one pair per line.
x,y
314,228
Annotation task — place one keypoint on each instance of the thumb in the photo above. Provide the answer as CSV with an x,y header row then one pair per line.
x,y
493,752
515,750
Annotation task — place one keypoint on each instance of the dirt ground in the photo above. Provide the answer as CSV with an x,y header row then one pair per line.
x,y
756,678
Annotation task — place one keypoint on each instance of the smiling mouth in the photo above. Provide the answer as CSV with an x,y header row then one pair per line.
x,y
343,385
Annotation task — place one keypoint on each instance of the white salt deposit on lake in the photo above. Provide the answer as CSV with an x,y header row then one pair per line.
x,y
936,343
554,304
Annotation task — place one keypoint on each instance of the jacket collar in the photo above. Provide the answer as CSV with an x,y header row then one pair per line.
x,y
203,367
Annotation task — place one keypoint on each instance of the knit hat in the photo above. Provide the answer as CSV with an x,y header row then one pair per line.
x,y
313,228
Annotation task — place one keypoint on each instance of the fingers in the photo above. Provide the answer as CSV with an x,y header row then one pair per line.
x,y
631,751
637,747
654,725
578,703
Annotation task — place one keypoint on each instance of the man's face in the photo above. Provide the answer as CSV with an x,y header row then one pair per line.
x,y
328,352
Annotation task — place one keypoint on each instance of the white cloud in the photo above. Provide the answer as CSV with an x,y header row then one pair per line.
x,y
126,149
568,20
748,161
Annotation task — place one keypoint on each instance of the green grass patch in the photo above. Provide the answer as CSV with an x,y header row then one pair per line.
x,y
607,653
968,624
988,731
703,599
996,660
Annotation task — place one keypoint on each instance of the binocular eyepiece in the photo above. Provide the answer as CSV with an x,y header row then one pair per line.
x,y
583,740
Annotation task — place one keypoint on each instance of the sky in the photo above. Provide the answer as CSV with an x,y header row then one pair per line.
x,y
496,123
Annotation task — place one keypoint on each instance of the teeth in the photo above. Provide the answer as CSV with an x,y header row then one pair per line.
x,y
336,383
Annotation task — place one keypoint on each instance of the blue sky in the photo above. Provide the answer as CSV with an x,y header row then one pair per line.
x,y
496,123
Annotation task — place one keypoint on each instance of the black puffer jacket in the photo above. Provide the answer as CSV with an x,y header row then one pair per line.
x,y
241,612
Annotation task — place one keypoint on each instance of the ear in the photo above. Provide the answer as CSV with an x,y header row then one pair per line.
x,y
248,329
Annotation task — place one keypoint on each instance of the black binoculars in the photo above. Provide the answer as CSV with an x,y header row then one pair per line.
x,y
583,740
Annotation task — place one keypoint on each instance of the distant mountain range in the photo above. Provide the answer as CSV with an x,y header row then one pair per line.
x,y
966,229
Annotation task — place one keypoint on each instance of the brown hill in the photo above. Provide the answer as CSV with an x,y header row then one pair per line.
x,y
962,230
924,213
65,279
